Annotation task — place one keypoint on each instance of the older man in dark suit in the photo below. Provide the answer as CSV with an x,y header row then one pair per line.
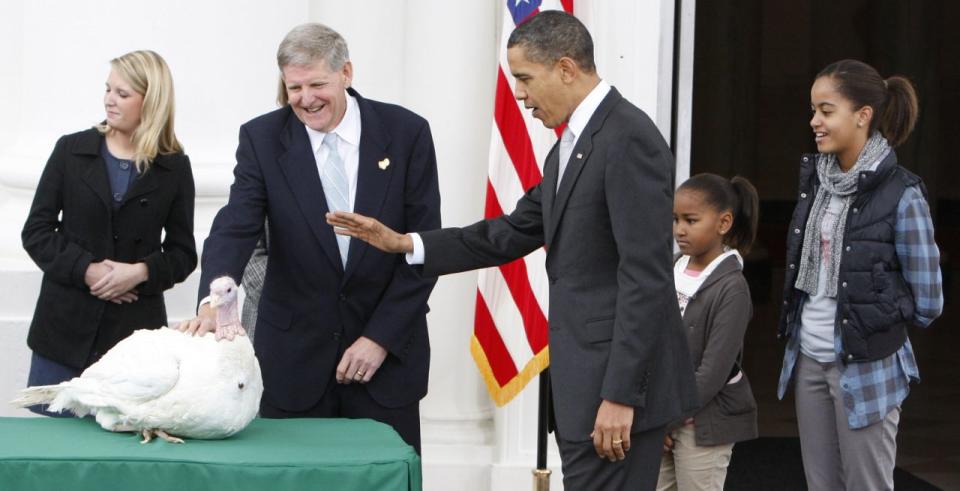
x,y
619,359
342,327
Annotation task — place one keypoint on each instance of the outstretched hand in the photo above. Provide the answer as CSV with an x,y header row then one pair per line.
x,y
370,231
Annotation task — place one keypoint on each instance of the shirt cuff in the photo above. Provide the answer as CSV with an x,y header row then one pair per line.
x,y
203,302
416,257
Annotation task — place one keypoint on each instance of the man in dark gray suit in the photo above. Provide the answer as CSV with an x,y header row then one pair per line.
x,y
619,359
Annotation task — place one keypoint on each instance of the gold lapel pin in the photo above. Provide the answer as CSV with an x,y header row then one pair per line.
x,y
384,164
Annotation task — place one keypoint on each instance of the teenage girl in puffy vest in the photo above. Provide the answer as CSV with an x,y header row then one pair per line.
x,y
714,222
862,267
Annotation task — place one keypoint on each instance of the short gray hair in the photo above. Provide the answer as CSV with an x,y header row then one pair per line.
x,y
551,35
308,43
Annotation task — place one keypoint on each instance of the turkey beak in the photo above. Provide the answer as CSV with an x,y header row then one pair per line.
x,y
214,301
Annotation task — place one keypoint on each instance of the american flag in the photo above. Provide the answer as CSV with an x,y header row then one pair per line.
x,y
509,341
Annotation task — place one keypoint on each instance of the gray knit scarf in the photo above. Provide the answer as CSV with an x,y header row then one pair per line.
x,y
833,182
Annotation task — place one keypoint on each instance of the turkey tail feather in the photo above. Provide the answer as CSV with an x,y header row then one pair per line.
x,y
41,394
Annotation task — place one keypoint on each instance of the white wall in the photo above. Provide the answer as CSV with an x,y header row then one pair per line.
x,y
439,62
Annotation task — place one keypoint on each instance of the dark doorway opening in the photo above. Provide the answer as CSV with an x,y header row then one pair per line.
x,y
754,62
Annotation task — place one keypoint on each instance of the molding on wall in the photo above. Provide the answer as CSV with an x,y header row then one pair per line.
x,y
20,172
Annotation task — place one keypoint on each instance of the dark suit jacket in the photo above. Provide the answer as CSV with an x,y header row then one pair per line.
x,y
614,322
74,182
311,309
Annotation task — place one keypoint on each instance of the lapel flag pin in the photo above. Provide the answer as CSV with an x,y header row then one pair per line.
x,y
579,155
384,164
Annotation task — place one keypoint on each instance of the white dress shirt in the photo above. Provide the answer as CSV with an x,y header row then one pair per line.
x,y
576,124
348,146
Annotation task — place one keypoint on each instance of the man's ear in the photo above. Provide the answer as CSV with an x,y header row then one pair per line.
x,y
347,72
568,69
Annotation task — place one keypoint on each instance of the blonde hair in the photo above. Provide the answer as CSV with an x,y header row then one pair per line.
x,y
149,76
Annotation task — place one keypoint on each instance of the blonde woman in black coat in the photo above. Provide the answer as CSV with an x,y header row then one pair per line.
x,y
96,227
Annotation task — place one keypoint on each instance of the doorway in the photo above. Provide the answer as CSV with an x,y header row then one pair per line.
x,y
754,62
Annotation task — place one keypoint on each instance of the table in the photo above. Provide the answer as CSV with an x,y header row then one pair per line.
x,y
270,454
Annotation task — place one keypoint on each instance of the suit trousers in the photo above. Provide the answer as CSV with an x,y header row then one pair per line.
x,y
835,456
583,470
354,401
693,467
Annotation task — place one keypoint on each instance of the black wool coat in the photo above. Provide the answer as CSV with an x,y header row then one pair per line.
x,y
72,223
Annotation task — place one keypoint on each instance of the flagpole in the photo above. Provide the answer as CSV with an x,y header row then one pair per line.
x,y
541,475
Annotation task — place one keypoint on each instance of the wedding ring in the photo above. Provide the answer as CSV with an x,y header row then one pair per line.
x,y
360,373
618,442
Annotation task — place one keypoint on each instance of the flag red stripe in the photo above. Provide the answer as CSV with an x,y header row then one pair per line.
x,y
534,322
513,132
501,364
492,209
515,275
515,137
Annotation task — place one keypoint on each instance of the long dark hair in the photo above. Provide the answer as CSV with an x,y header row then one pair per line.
x,y
894,100
736,195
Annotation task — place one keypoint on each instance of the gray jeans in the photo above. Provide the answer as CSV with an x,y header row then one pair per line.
x,y
835,456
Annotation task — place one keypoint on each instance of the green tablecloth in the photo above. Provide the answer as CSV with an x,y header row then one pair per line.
x,y
290,454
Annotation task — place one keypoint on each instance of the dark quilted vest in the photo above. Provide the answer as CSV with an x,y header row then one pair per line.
x,y
874,303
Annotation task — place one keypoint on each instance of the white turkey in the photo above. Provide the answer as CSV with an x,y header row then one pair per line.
x,y
167,383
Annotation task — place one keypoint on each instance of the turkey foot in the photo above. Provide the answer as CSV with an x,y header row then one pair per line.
x,y
229,332
149,434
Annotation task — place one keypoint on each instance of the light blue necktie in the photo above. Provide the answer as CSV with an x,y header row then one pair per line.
x,y
566,148
335,188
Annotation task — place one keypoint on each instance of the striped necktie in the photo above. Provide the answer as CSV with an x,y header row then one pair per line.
x,y
566,148
335,188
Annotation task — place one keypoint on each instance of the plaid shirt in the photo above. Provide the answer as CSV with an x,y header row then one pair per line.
x,y
873,389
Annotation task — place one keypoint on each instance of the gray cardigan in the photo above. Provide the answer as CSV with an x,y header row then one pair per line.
x,y
716,320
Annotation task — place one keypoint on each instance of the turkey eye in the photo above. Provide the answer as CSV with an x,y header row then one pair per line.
x,y
229,290
240,385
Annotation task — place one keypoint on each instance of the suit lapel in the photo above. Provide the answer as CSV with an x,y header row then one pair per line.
x,y
373,174
299,167
548,189
579,158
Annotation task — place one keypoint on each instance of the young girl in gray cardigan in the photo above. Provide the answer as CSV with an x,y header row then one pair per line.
x,y
714,222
